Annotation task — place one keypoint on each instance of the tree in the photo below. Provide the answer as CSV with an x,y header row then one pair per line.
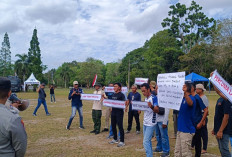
x,y
188,25
21,66
5,57
112,73
34,57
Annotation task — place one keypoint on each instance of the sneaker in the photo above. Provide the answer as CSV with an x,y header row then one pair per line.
x,y
137,132
127,132
113,141
109,137
34,114
157,151
93,131
165,154
67,128
81,127
55,101
105,130
51,102
48,114
97,132
121,144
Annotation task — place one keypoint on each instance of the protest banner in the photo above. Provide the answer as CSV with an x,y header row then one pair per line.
x,y
222,85
114,103
140,81
140,106
170,93
111,89
91,97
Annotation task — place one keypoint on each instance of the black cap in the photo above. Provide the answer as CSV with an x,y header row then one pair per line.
x,y
43,84
5,83
97,84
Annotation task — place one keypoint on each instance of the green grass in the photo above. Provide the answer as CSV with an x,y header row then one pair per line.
x,y
47,135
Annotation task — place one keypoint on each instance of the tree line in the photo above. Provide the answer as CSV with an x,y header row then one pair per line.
x,y
190,41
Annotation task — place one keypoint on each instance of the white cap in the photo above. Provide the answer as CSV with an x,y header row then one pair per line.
x,y
200,86
75,82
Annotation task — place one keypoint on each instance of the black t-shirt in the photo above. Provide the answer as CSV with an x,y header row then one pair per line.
x,y
118,96
222,107
42,94
52,90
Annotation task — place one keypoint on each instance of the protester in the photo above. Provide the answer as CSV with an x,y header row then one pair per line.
x,y
41,100
153,87
186,128
75,96
175,117
133,96
149,119
52,94
97,109
13,137
204,131
199,121
117,116
222,123
108,109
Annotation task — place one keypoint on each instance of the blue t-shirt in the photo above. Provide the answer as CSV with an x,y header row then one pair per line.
x,y
76,99
199,107
133,97
185,121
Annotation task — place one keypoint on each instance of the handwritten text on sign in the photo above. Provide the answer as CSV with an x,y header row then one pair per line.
x,y
140,81
222,85
140,106
90,97
170,93
111,89
114,103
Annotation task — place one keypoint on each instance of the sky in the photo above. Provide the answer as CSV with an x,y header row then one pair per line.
x,y
77,29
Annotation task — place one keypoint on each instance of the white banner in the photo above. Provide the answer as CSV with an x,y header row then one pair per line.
x,y
91,97
140,81
222,85
170,93
140,105
111,89
114,103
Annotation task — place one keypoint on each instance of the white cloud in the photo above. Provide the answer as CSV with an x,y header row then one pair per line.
x,y
76,29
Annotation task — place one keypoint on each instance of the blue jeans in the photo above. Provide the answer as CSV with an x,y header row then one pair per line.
x,y
231,145
111,132
223,145
74,109
147,136
162,138
53,96
40,101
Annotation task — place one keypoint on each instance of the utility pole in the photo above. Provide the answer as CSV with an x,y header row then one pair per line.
x,y
128,85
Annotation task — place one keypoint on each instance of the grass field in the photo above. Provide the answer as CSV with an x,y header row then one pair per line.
x,y
47,135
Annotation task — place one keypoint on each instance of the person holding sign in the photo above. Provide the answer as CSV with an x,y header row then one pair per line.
x,y
222,123
186,128
97,109
117,116
133,96
149,119
199,121
75,96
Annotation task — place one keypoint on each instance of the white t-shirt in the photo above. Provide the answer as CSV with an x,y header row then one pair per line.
x,y
148,115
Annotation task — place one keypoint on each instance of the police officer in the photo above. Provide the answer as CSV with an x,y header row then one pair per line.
x,y
13,137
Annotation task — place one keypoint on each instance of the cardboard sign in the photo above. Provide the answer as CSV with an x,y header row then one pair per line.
x,y
111,89
91,97
222,85
170,93
140,105
114,103
140,81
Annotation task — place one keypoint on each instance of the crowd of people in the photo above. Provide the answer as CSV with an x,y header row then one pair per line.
x,y
190,122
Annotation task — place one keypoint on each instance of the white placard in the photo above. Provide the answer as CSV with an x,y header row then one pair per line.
x,y
111,89
114,103
222,85
170,93
140,105
140,81
91,97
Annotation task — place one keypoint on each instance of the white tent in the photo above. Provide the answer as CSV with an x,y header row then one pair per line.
x,y
31,80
